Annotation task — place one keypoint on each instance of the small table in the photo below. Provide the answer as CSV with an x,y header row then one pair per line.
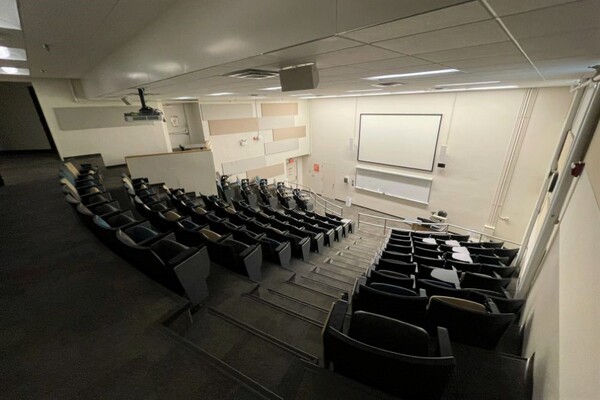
x,y
459,249
453,243
446,275
429,241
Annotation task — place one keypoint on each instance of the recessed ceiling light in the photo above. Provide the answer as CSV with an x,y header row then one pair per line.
x,y
221,94
422,73
11,53
468,83
362,90
271,88
14,71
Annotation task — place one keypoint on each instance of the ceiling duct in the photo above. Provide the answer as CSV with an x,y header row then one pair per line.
x,y
253,74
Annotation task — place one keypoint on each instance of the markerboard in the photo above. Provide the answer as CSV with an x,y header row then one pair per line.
x,y
400,140
403,186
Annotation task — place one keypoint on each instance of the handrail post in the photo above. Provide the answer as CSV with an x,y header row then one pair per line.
x,y
384,225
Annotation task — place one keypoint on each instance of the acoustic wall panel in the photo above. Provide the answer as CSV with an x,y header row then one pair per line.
x,y
289,133
238,166
281,146
266,172
227,111
266,123
75,118
401,140
278,109
227,126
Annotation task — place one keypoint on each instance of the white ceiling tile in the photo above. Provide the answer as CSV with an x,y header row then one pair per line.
x,y
12,38
352,55
326,45
493,62
450,38
566,18
572,44
398,62
440,19
466,53
507,7
352,14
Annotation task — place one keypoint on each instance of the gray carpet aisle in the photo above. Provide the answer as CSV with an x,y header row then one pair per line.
x,y
76,321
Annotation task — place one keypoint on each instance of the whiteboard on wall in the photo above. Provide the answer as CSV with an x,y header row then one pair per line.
x,y
400,140
400,185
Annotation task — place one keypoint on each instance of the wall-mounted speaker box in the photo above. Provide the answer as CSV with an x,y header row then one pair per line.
x,y
299,78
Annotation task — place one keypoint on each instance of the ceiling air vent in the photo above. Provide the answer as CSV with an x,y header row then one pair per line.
x,y
387,84
253,74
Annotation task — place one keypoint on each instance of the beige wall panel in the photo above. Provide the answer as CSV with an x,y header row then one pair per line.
x,y
289,133
266,172
278,109
227,111
227,126
593,164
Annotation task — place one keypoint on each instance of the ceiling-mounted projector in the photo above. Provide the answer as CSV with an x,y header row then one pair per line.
x,y
299,77
145,113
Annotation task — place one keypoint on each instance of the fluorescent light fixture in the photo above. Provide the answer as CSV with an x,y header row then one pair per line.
x,y
407,75
11,53
467,84
478,88
185,98
221,94
302,95
271,88
362,90
14,71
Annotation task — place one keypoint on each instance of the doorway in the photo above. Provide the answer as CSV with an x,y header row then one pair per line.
x,y
328,179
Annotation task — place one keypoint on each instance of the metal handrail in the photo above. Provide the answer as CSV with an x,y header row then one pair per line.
x,y
333,208
444,226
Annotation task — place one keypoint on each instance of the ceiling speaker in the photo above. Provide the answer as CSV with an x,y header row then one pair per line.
x,y
303,77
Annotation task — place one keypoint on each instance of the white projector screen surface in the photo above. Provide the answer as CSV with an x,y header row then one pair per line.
x,y
400,140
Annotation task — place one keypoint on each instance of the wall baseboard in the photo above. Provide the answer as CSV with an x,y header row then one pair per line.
x,y
38,151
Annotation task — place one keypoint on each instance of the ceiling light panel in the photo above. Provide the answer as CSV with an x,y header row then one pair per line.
x,y
14,71
11,53
411,74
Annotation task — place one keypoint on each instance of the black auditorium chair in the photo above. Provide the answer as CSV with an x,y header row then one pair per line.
x,y
437,288
424,271
390,277
492,245
392,255
316,239
406,268
91,199
420,251
502,271
504,301
425,245
481,251
493,259
429,261
302,202
459,238
285,199
389,300
387,354
509,253
400,242
468,322
336,227
462,266
343,225
106,227
347,222
482,281
406,249
400,233
248,194
233,254
180,268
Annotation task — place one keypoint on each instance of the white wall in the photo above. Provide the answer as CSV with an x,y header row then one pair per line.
x,y
20,126
563,312
476,126
112,143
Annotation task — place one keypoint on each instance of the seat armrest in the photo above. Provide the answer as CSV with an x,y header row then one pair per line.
x,y
491,306
506,293
444,342
163,235
422,293
361,280
337,315
84,196
496,275
181,257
